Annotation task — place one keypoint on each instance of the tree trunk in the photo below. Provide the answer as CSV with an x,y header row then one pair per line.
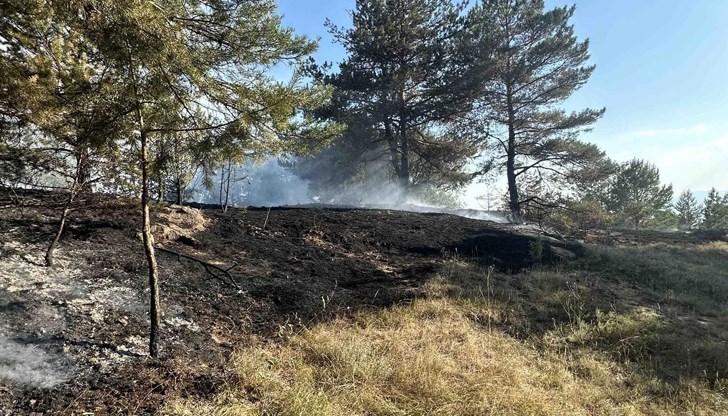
x,y
227,188
514,202
160,190
84,171
180,191
148,238
81,178
392,142
64,214
404,174
222,183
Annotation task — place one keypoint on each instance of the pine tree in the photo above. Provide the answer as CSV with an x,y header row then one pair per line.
x,y
199,67
688,210
636,193
715,211
408,73
539,63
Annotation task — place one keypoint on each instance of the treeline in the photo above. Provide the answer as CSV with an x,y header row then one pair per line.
x,y
436,94
711,215
633,197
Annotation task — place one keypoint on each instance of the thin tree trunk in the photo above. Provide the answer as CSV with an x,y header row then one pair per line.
x,y
227,188
404,176
148,239
514,203
222,182
160,190
64,215
180,191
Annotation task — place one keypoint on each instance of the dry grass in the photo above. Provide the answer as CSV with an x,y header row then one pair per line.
x,y
541,343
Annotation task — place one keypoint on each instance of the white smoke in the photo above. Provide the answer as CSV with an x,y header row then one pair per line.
x,y
29,365
272,185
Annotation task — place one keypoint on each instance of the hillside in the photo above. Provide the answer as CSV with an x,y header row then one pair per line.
x,y
346,311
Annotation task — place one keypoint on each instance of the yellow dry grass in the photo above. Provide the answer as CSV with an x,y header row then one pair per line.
x,y
431,358
480,344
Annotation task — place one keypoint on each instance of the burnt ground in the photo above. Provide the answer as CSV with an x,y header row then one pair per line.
x,y
73,339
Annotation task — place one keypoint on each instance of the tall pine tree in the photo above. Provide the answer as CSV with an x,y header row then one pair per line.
x,y
539,63
409,72
688,210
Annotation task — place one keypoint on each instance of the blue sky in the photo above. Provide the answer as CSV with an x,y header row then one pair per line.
x,y
662,74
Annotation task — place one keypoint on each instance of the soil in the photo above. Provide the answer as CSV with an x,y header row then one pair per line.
x,y
73,338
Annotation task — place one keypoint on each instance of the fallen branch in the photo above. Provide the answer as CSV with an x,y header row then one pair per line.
x,y
208,266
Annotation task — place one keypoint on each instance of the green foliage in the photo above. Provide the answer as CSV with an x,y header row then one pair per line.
x,y
14,162
688,211
582,214
696,276
62,100
628,337
408,76
200,70
664,220
715,213
636,193
538,64
174,166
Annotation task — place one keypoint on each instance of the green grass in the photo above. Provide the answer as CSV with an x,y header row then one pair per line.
x,y
586,339
694,275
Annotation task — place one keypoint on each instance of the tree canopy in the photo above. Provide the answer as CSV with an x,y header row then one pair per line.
x,y
688,210
408,76
637,194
